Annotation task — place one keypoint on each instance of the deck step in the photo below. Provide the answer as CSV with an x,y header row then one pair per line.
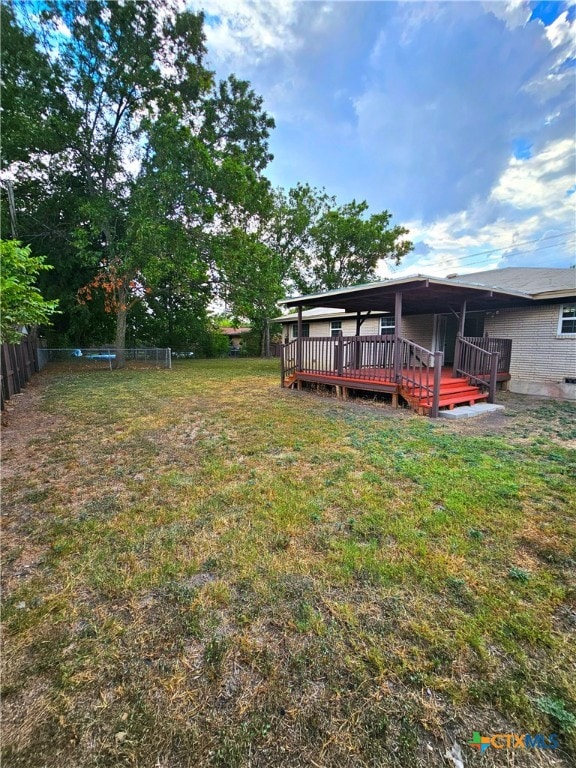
x,y
464,394
468,398
445,391
454,391
451,402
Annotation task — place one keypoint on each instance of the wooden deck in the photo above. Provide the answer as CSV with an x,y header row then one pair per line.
x,y
399,367
379,377
454,390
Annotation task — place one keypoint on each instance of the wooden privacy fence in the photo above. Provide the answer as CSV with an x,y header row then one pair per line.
x,y
18,363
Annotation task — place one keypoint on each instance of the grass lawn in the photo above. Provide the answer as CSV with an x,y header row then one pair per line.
x,y
202,569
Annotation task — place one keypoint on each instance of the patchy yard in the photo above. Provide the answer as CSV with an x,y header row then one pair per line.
x,y
201,569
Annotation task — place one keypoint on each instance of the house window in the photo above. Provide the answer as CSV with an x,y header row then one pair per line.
x,y
567,323
335,327
305,330
387,326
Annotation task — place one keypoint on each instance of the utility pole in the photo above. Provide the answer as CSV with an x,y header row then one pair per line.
x,y
12,207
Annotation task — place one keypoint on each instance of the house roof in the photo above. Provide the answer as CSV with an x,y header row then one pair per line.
x,y
536,281
423,294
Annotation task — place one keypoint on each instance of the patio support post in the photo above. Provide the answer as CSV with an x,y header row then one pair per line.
x,y
462,318
438,362
459,335
299,342
397,334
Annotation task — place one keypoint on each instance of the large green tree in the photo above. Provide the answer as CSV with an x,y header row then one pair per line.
x,y
163,155
141,179
40,193
301,241
333,246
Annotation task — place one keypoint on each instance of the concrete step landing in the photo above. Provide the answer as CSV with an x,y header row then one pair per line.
x,y
468,411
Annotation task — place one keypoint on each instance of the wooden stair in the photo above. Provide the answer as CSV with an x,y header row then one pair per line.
x,y
453,391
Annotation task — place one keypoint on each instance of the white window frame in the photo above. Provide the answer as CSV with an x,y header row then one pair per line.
x,y
561,333
335,327
390,328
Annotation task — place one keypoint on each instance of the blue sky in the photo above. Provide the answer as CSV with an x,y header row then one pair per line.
x,y
457,117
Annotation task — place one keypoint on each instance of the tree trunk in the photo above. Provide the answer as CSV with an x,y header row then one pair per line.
x,y
120,343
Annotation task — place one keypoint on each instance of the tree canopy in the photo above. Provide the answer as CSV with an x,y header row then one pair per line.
x,y
334,246
141,178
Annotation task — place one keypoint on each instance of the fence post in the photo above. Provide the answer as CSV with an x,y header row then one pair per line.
x,y
493,376
438,360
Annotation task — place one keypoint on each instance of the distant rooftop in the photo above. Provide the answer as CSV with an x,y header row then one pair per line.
x,y
234,331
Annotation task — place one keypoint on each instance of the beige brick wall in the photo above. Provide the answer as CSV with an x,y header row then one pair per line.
x,y
541,359
418,328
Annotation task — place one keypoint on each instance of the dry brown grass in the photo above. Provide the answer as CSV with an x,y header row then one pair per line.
x,y
201,569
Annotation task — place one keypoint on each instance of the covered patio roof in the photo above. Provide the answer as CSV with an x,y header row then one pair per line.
x,y
421,294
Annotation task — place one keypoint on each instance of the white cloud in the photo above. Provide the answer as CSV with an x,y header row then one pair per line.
x,y
562,33
245,30
541,181
527,215
515,13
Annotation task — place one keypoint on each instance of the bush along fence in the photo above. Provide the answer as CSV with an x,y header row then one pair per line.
x,y
18,363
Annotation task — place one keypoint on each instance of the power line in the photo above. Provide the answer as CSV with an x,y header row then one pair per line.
x,y
474,256
460,259
514,245
523,254
483,261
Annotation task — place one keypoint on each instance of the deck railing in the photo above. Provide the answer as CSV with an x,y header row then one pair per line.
x,y
390,358
369,358
478,364
419,371
288,360
489,344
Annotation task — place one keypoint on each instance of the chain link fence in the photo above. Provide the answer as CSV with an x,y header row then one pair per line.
x,y
105,357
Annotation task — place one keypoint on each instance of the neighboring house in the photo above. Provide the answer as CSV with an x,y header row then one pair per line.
x,y
235,337
527,315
